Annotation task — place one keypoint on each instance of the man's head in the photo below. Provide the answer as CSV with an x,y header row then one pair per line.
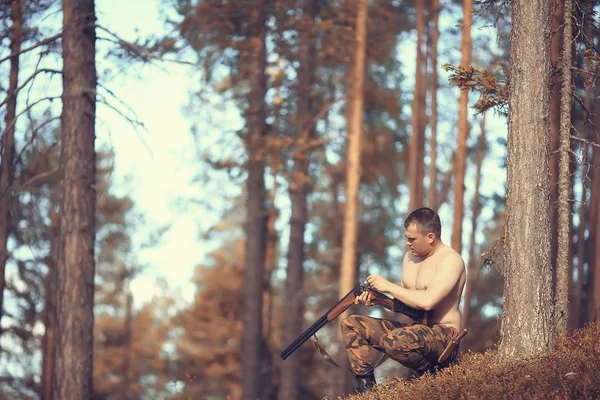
x,y
423,230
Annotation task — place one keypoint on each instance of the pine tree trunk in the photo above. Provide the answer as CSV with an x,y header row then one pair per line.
x,y
432,197
555,114
575,313
50,286
594,292
563,263
299,189
592,288
256,212
353,156
527,325
473,271
593,278
76,265
8,143
415,159
128,328
463,131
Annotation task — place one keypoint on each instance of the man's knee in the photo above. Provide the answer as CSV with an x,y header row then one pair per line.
x,y
349,324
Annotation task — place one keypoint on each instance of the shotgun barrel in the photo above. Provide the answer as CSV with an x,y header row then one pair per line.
x,y
330,315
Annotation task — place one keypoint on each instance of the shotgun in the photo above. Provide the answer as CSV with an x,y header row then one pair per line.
x,y
395,305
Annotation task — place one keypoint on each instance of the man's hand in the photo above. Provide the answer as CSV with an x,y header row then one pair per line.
x,y
378,282
365,298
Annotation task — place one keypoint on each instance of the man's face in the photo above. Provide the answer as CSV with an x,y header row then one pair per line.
x,y
419,243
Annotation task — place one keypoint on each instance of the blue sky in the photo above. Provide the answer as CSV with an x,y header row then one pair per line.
x,y
155,165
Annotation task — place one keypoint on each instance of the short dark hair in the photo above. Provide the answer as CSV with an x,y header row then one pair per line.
x,y
426,219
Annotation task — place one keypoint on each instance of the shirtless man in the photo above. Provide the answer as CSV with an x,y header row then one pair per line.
x,y
433,278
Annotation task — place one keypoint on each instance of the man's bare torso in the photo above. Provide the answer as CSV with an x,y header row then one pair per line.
x,y
418,272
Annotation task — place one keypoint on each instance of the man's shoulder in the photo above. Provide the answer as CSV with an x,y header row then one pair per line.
x,y
453,257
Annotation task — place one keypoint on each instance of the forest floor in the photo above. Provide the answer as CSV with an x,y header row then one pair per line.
x,y
572,371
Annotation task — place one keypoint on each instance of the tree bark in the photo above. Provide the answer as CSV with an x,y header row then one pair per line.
x,y
473,271
463,131
563,263
256,212
356,84
299,189
76,265
555,115
432,196
527,322
417,141
50,286
8,143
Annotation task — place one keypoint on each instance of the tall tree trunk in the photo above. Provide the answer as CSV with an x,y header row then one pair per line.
x,y
473,271
271,257
8,143
76,265
563,263
594,266
415,159
50,286
555,114
299,189
527,325
575,313
463,131
356,84
593,278
128,328
432,197
256,212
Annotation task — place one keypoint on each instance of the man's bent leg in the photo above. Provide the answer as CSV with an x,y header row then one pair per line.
x,y
362,336
418,346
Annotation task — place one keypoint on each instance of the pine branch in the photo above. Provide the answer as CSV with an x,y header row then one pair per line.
x,y
38,44
36,73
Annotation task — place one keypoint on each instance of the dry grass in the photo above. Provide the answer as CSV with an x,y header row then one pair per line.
x,y
570,372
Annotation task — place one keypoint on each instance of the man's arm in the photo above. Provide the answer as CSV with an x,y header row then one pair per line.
x,y
446,278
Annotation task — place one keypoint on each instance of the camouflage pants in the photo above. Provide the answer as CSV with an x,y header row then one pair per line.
x,y
416,346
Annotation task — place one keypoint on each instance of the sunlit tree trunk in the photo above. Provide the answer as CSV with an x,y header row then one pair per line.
x,y
256,211
76,264
527,323
432,197
563,263
473,270
8,142
128,329
417,140
463,131
356,82
299,189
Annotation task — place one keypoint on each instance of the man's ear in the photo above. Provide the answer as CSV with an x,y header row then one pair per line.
x,y
430,237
